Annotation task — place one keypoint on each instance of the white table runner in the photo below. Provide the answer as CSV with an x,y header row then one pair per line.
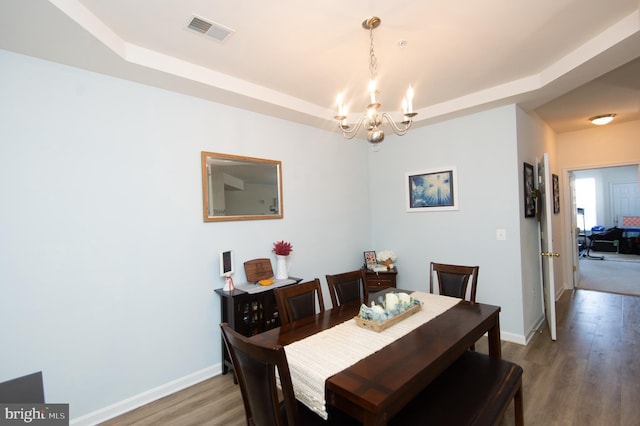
x,y
312,360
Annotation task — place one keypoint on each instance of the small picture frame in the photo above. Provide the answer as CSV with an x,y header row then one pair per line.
x,y
431,190
529,198
226,263
556,194
370,258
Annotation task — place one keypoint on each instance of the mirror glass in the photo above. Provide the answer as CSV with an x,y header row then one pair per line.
x,y
240,188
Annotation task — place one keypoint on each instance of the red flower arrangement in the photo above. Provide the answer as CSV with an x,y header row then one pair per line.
x,y
282,248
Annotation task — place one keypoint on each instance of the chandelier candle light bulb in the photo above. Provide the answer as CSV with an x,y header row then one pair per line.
x,y
342,111
409,100
372,91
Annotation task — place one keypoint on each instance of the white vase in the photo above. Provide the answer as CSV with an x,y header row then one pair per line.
x,y
281,267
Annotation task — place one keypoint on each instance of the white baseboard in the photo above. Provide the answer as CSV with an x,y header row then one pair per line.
x,y
534,330
146,397
513,337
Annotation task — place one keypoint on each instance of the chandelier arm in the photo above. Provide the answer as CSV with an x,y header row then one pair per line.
x,y
397,129
350,133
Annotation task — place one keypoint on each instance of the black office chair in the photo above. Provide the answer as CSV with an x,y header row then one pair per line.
x,y
453,280
347,287
299,300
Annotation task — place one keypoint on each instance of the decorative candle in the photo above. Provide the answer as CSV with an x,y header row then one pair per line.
x,y
391,301
405,299
377,309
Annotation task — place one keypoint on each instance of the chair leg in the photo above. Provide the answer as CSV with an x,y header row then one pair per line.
x,y
518,406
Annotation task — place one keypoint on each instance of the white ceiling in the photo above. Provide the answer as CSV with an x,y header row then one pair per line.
x,y
566,60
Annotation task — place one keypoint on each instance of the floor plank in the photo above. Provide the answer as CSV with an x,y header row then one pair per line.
x,y
589,376
216,401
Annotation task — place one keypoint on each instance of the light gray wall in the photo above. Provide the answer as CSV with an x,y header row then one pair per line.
x,y
107,269
535,139
483,148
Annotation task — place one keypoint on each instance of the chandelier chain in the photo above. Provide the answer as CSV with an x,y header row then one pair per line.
x,y
373,61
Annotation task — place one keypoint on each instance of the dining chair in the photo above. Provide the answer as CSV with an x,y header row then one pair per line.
x,y
347,287
453,280
255,369
299,300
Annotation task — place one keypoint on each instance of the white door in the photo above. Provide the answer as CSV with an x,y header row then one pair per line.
x,y
624,201
545,204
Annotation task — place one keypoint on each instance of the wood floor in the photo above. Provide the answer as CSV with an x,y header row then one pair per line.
x,y
589,376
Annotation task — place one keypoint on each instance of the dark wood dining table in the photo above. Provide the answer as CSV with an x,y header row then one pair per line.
x,y
377,387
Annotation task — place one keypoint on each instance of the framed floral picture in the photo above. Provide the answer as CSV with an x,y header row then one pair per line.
x,y
370,258
431,190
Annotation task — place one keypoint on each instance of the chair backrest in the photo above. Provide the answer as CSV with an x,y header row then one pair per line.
x,y
255,368
347,287
453,280
298,300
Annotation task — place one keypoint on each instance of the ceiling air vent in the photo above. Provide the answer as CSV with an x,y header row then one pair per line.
x,y
209,28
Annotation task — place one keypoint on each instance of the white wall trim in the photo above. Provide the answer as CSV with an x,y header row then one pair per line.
x,y
513,338
535,329
146,397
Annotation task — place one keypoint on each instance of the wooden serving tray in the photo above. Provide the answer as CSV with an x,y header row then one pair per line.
x,y
380,326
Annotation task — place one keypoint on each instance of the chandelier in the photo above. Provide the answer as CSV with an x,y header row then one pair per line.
x,y
373,117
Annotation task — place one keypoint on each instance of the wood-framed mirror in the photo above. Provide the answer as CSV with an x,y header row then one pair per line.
x,y
240,188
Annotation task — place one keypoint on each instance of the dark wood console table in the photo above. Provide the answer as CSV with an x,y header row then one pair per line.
x,y
248,314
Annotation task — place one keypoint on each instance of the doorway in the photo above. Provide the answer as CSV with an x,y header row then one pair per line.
x,y
602,197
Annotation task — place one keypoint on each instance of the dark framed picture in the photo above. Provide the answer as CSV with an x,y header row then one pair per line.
x,y
370,258
226,263
529,198
556,194
432,190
